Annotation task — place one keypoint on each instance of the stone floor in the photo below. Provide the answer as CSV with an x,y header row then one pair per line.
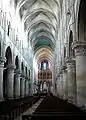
x,y
30,110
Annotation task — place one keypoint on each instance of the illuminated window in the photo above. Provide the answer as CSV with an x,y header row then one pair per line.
x,y
44,66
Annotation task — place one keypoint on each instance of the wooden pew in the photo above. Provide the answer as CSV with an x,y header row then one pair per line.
x,y
10,109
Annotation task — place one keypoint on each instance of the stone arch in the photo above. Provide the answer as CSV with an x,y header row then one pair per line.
x,y
8,55
71,51
17,62
16,84
26,82
22,81
64,52
82,21
29,74
22,67
26,71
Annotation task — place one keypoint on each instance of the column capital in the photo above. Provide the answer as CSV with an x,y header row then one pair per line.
x,y
22,77
70,61
10,67
64,67
17,71
80,48
70,64
26,78
22,74
2,60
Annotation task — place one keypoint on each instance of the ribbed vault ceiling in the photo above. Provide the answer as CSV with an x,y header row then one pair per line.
x,y
44,53
40,19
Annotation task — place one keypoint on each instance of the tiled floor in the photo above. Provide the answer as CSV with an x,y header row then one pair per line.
x,y
31,109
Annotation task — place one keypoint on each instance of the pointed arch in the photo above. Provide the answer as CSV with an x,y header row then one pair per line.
x,y
22,67
17,62
82,21
8,55
71,51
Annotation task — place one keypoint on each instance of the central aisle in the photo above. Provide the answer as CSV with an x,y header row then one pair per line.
x,y
54,104
55,108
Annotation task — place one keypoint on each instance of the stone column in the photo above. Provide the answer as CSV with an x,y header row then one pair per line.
x,y
10,81
58,86
65,86
22,86
80,54
71,73
61,85
26,87
17,84
1,77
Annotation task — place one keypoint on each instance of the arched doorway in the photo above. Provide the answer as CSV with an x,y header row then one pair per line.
x,y
71,51
17,62
71,72
82,21
8,56
17,78
22,68
26,83
7,65
22,81
80,52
